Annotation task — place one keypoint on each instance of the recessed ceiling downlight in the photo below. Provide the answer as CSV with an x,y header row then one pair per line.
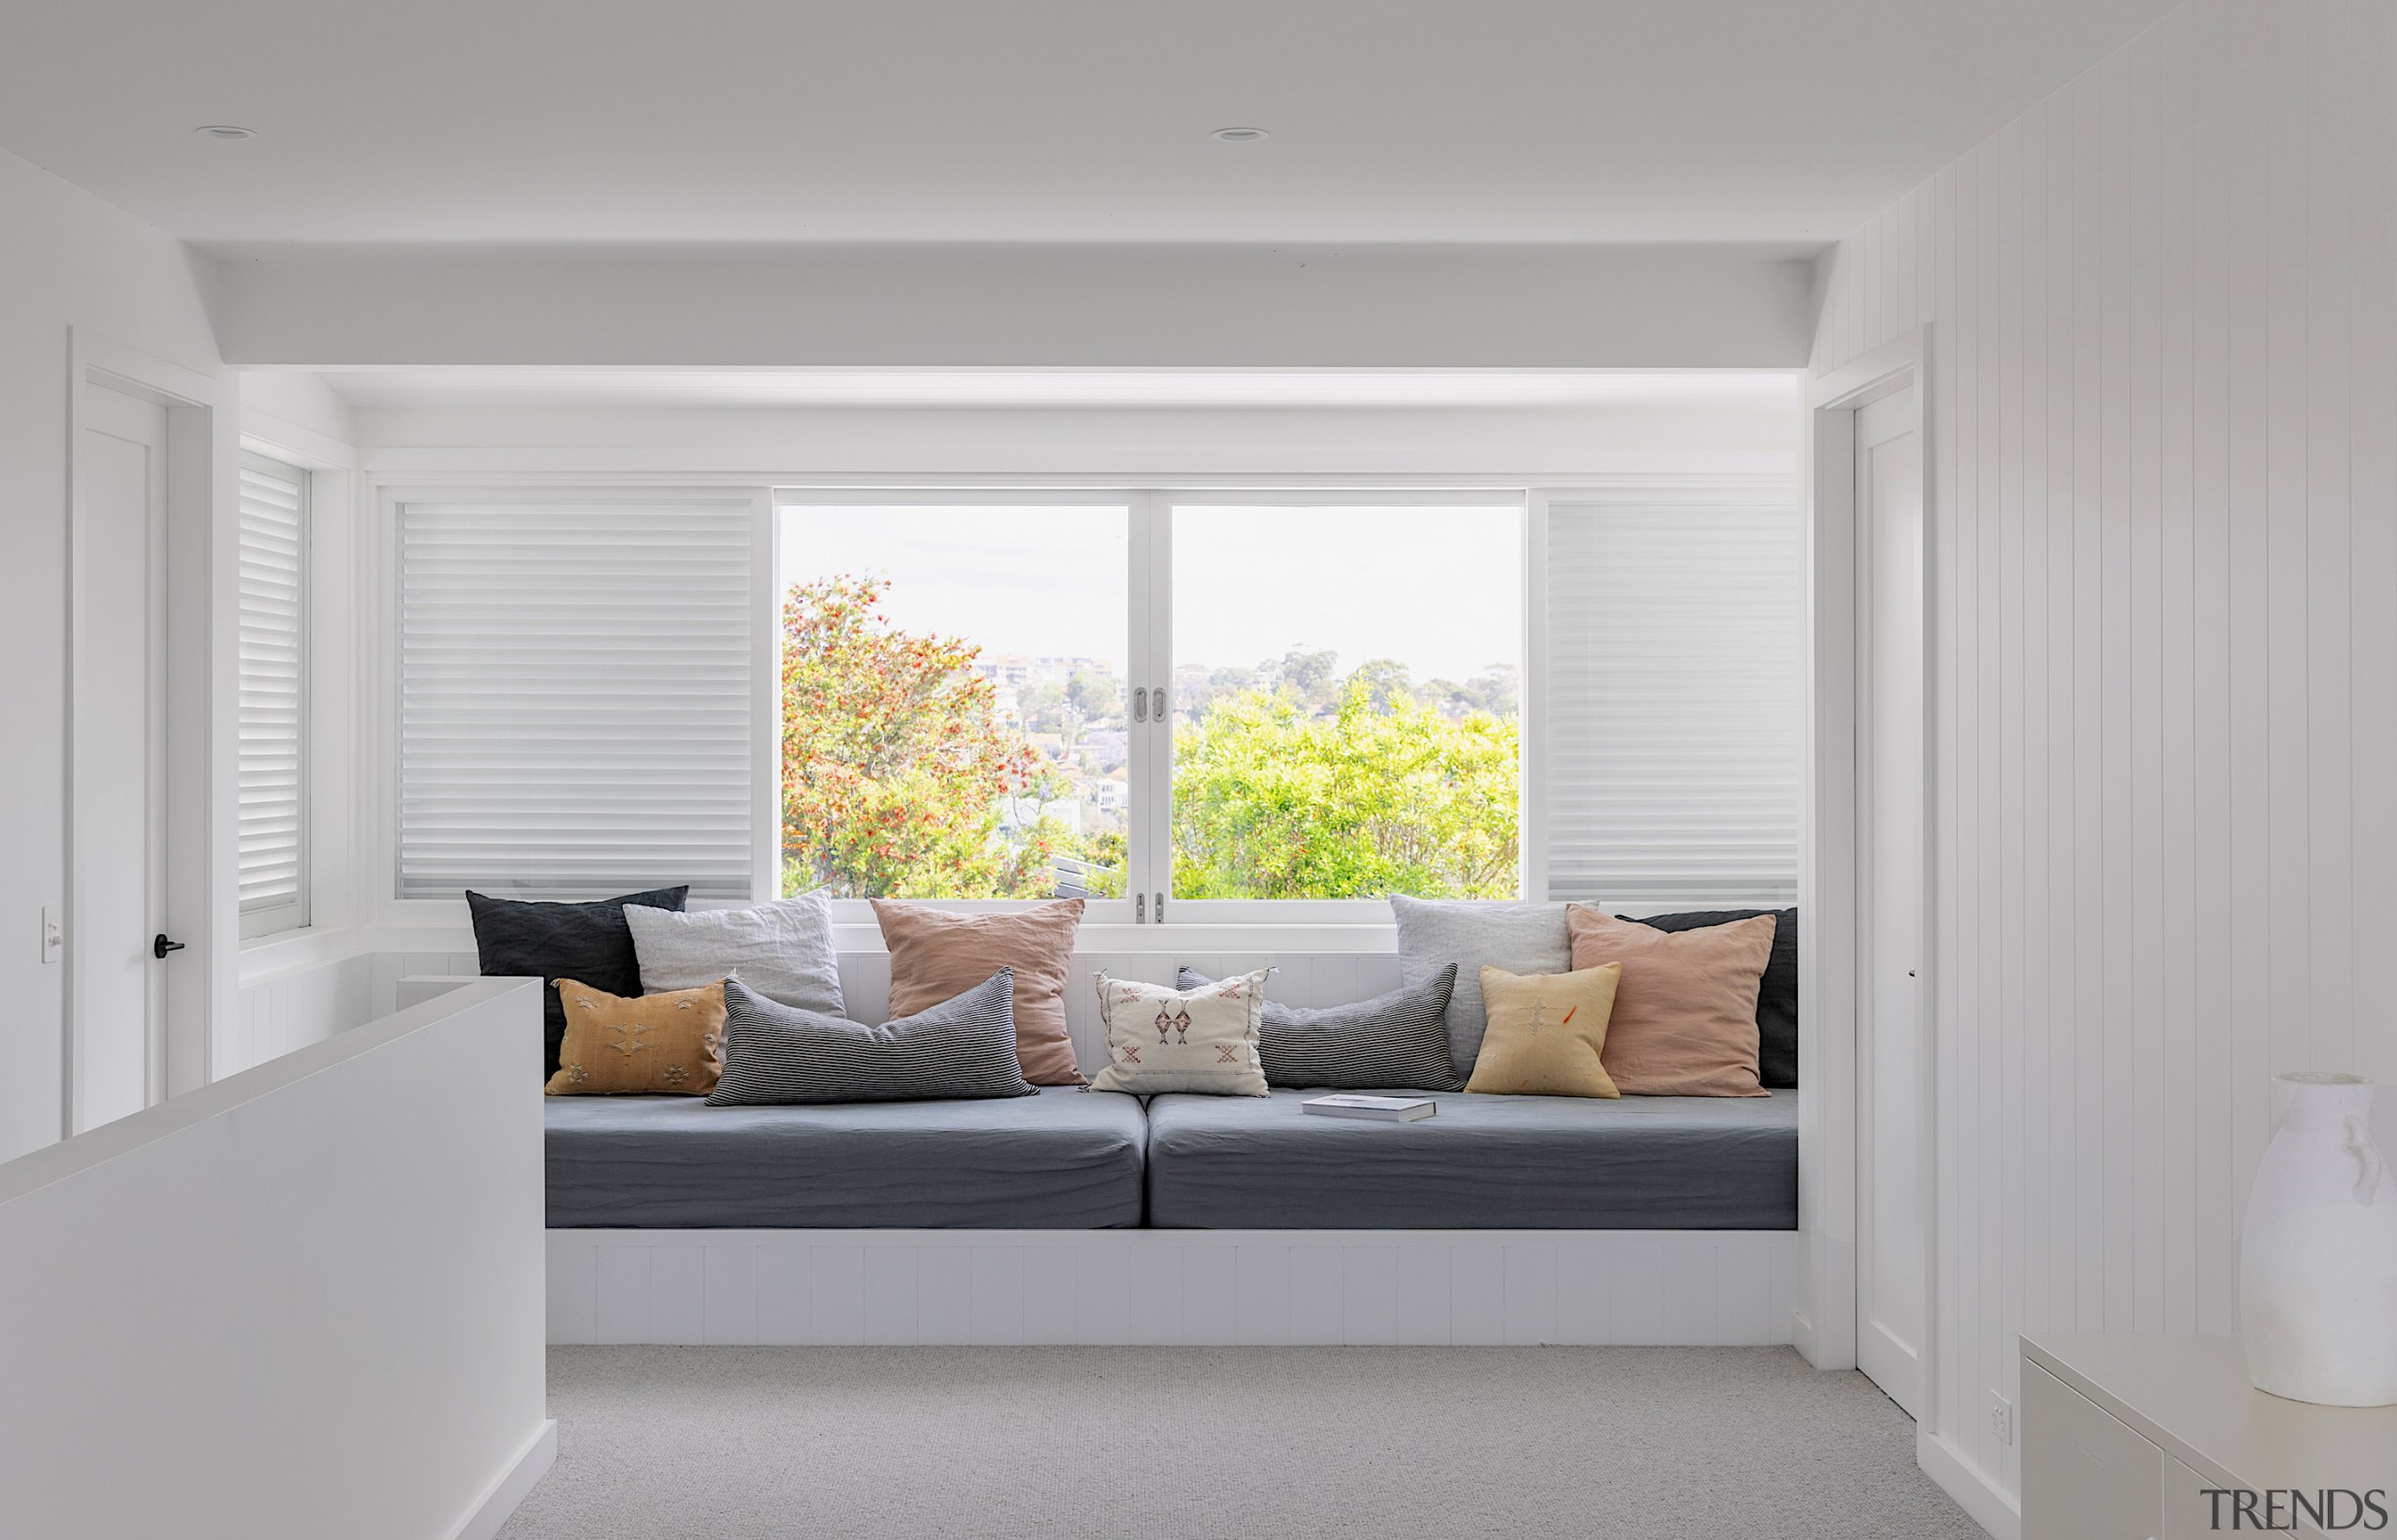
x,y
225,131
1240,135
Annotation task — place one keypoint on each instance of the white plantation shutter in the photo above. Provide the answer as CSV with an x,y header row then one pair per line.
x,y
576,709
1674,704
273,718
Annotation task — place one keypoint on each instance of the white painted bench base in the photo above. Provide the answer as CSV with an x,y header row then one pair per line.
x,y
1174,1288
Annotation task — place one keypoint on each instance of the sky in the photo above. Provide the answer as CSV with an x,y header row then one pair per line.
x,y
1438,588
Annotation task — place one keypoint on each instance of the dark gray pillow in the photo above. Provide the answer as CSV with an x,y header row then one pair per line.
x,y
1776,996
961,1049
1397,1041
589,943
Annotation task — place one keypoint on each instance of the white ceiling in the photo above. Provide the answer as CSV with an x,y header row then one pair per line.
x,y
1628,390
1042,120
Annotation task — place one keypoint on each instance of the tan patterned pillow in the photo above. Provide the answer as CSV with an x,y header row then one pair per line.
x,y
1545,1034
657,1045
1202,1039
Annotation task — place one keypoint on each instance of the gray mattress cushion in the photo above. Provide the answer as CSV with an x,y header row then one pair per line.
x,y
1062,1160
1642,1162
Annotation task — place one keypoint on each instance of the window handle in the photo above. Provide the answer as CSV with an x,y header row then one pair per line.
x,y
1140,704
1156,701
1160,908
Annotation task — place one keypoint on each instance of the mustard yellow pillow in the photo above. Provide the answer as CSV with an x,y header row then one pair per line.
x,y
658,1044
1545,1033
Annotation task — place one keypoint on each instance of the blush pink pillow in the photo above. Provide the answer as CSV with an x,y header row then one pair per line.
x,y
937,955
1685,1021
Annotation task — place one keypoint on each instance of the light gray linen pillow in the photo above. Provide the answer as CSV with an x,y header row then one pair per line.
x,y
782,950
1520,938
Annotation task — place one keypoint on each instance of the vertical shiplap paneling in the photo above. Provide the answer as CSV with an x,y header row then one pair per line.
x,y
2163,474
2371,60
2176,1085
2116,828
2248,186
2060,1203
2035,955
2089,1005
2329,31
2001,461
1942,425
2289,639
2142,397
1969,891
2210,662
1995,1156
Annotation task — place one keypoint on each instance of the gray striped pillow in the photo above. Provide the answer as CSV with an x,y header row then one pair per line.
x,y
963,1048
1397,1041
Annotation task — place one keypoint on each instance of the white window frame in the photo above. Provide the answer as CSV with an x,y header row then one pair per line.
x,y
1338,924
1150,662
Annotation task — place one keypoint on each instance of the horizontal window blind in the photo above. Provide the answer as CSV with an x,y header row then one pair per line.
x,y
1674,704
576,703
272,716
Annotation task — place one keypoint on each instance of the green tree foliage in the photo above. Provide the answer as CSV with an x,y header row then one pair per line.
x,y
1271,801
895,763
902,779
1094,694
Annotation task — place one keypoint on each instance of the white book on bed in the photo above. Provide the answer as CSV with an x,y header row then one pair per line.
x,y
1377,1108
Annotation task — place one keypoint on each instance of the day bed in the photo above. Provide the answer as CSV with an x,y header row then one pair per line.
x,y
1066,1159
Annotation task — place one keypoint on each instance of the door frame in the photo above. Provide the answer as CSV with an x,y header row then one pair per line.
x,y
1915,885
199,665
1832,881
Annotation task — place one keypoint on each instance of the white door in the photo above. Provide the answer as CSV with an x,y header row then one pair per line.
x,y
1889,1299
117,999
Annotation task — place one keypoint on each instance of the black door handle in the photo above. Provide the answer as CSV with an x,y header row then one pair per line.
x,y
161,946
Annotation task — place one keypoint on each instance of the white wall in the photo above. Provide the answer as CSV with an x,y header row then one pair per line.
x,y
1523,445
68,259
1135,308
306,1300
2163,417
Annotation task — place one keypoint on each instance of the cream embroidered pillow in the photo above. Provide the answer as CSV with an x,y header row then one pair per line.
x,y
657,1045
1202,1039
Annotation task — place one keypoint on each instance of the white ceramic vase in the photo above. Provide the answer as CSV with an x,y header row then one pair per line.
x,y
2318,1260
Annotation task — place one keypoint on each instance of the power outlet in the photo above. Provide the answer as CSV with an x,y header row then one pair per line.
x,y
2001,1418
53,935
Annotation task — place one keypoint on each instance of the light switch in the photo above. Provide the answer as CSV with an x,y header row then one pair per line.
x,y
53,934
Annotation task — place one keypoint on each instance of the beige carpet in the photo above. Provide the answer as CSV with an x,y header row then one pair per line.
x,y
1163,1444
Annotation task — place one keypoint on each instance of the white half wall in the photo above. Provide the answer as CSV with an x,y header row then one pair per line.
x,y
1138,308
306,1300
2163,419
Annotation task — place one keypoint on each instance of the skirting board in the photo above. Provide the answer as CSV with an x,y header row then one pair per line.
x,y
522,1476
1173,1287
1973,1492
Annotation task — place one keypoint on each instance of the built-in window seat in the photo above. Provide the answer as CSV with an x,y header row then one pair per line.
x,y
1067,1159
1479,1163
1077,1216
1061,1160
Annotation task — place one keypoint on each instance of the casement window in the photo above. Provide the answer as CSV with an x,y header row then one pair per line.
x,y
576,697
1154,699
1176,704
271,718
